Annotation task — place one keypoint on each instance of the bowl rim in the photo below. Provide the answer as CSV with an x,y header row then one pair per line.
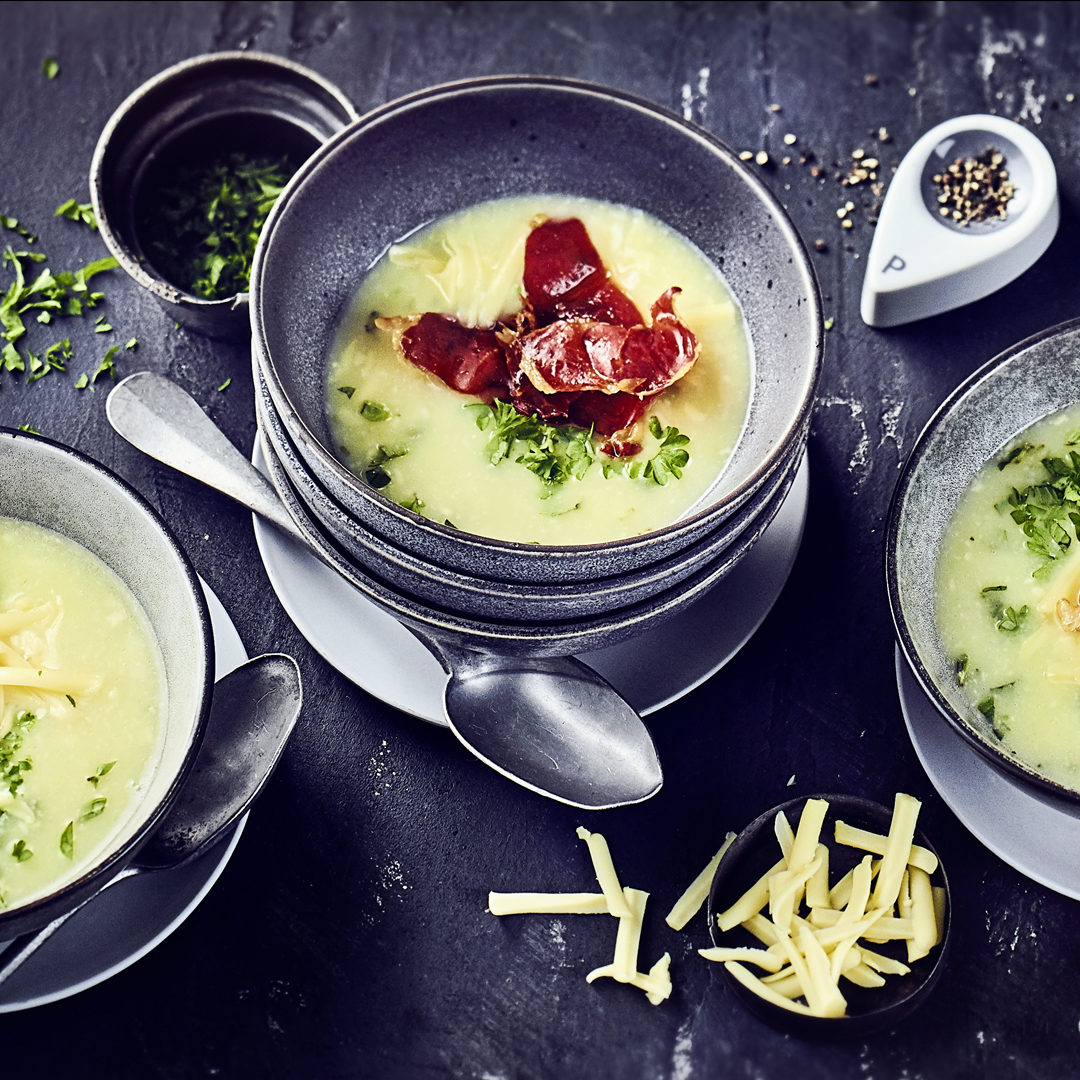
x,y
98,873
262,355
207,61
1013,768
856,1025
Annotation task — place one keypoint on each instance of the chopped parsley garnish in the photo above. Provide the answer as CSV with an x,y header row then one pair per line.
x,y
11,770
224,386
415,504
101,326
93,808
67,841
557,454
671,458
369,326
962,669
71,699
29,428
374,411
107,365
383,454
103,770
77,211
21,851
132,343
376,478
1011,619
11,223
201,229
1018,453
993,588
830,322
47,296
348,391
1042,510
50,67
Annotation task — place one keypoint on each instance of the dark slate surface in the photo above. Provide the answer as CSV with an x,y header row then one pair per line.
x,y
348,936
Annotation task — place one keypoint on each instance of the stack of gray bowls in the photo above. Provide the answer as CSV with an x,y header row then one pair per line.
x,y
437,152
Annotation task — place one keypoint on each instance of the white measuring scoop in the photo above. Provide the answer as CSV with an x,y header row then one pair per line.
x,y
922,263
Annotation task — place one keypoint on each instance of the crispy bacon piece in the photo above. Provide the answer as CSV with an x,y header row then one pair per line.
x,y
468,359
565,278
579,354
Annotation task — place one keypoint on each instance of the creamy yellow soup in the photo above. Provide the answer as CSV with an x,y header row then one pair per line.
x,y
470,266
81,702
999,593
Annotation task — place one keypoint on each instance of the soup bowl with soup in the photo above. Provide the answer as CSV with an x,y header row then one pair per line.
x,y
106,672
427,208
989,623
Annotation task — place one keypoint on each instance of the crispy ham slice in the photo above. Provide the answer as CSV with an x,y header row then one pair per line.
x,y
468,359
565,278
579,354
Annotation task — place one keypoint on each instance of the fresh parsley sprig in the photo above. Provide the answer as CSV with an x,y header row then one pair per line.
x,y
1043,510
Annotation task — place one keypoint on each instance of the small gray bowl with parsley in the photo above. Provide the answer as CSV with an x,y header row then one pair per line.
x,y
188,168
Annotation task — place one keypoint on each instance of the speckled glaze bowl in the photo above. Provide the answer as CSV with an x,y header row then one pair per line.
x,y
50,485
554,638
450,147
872,1009
488,598
1014,390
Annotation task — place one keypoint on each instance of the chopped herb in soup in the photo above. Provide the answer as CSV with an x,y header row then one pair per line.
x,y
542,369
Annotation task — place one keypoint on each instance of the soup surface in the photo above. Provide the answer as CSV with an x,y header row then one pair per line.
x,y
81,700
1008,595
421,442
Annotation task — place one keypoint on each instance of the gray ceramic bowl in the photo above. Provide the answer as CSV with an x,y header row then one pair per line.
x,y
192,112
60,489
450,147
482,596
1001,399
562,638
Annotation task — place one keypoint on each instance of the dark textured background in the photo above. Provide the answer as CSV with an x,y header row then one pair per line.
x,y
348,936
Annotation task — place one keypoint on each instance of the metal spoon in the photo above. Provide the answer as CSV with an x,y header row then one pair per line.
x,y
252,715
550,724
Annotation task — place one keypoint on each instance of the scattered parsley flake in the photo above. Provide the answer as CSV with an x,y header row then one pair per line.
x,y
94,808
77,211
830,322
1011,620
71,699
348,391
132,343
67,841
50,67
29,428
224,386
107,365
21,851
962,669
374,411
82,382
671,458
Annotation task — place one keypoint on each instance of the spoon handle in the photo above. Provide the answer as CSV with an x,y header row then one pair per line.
x,y
23,947
165,422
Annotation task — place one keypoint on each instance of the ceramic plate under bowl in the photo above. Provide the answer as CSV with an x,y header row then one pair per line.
x,y
1037,377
